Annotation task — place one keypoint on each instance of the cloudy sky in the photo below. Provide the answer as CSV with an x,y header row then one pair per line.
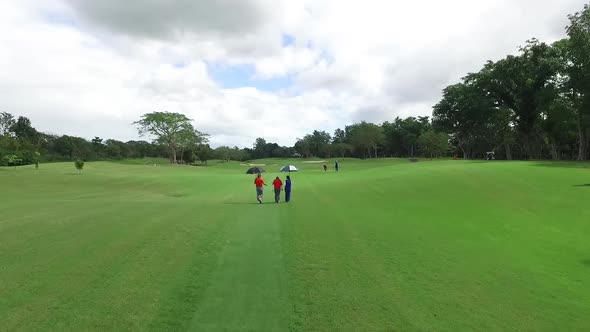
x,y
248,68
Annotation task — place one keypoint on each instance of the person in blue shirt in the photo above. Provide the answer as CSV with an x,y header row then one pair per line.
x,y
288,189
337,165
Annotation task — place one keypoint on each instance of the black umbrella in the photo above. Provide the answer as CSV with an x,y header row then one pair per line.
x,y
255,170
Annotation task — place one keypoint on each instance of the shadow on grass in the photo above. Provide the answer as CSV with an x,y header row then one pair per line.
x,y
563,164
176,195
478,161
243,203
255,203
582,185
586,262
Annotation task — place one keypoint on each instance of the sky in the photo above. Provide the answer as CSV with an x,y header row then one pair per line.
x,y
242,69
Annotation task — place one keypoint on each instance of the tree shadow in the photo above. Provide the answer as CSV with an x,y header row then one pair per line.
x,y
563,164
582,185
479,161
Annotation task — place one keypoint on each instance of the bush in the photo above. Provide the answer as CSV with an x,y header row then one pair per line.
x,y
12,160
79,165
16,159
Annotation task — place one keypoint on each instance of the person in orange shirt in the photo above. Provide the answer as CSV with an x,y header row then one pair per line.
x,y
278,185
259,182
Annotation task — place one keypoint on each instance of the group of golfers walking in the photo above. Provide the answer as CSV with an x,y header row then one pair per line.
x,y
277,185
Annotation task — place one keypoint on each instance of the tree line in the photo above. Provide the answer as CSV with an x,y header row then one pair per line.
x,y
172,136
533,105
409,137
22,144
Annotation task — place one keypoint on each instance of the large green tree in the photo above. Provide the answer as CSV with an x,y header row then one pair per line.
x,y
434,144
339,136
6,123
521,84
319,143
204,153
401,136
341,150
302,147
260,148
72,148
366,138
23,130
578,71
116,149
165,127
97,146
188,139
226,153
465,113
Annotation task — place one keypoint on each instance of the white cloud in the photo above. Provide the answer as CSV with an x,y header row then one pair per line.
x,y
91,68
290,60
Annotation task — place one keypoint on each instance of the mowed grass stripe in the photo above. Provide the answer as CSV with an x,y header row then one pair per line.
x,y
248,289
335,259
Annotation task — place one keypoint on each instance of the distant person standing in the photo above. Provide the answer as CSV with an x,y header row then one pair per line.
x,y
288,189
336,166
278,185
325,167
259,182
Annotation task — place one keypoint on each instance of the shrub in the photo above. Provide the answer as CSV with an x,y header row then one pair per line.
x,y
79,165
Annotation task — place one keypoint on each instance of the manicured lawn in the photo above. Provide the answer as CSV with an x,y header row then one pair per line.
x,y
381,245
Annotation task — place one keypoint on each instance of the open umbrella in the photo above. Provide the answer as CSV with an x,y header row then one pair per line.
x,y
255,170
289,168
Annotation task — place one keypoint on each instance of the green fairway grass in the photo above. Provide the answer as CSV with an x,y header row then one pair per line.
x,y
381,245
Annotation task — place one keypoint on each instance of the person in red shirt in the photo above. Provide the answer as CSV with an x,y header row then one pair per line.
x,y
278,185
259,182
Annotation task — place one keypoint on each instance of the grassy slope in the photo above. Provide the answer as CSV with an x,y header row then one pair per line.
x,y
383,244
444,246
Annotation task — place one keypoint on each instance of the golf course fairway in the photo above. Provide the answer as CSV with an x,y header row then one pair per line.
x,y
381,245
